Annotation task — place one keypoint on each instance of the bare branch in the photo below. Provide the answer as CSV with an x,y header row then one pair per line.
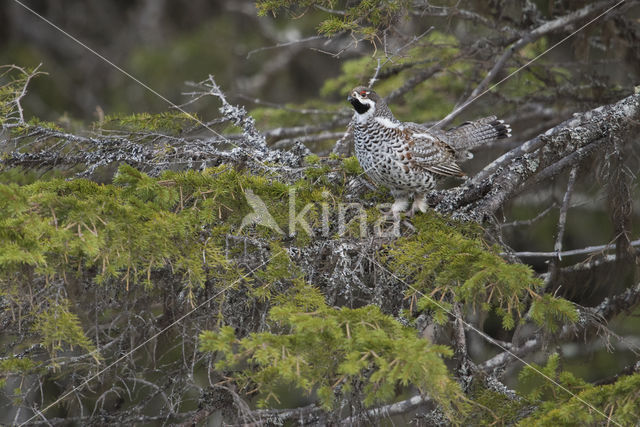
x,y
505,357
297,110
582,251
619,198
25,80
562,23
374,78
566,200
591,263
529,221
310,414
544,156
562,220
397,408
284,143
237,115
341,146
285,44
331,11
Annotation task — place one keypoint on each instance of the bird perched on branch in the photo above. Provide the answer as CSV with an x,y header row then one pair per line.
x,y
408,158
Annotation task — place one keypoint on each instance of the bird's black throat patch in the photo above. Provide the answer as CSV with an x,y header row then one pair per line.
x,y
359,106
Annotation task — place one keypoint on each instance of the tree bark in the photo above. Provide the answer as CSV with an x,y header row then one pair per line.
x,y
540,158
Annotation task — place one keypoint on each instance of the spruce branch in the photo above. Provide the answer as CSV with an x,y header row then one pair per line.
x,y
591,323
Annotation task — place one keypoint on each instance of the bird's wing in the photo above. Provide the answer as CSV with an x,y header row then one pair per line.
x,y
429,152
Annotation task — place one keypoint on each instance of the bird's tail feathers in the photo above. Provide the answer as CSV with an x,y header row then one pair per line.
x,y
478,132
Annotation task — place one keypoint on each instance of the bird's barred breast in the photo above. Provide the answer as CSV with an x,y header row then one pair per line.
x,y
384,155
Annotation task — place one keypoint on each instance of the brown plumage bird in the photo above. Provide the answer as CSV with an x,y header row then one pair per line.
x,y
408,158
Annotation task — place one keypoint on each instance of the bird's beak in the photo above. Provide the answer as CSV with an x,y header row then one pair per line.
x,y
349,98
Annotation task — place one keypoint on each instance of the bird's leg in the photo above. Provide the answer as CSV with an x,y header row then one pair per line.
x,y
399,205
419,203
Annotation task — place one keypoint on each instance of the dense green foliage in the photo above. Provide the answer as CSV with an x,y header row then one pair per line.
x,y
330,350
128,231
451,263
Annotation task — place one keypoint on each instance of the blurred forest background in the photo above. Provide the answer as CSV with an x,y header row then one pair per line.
x,y
164,44
292,72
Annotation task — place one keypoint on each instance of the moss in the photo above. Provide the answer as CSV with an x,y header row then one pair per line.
x,y
125,230
141,224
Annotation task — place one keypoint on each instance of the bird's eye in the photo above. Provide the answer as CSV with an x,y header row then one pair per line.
x,y
363,93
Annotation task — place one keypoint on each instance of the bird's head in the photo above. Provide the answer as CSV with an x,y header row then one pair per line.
x,y
363,99
367,104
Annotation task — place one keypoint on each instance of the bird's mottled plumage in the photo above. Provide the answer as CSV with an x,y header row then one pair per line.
x,y
407,157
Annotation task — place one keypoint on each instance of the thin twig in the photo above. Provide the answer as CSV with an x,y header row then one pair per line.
x,y
374,78
582,251
28,75
562,220
285,44
527,222
561,23
331,11
389,58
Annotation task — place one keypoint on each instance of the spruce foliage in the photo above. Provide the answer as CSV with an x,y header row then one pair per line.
x,y
364,19
140,227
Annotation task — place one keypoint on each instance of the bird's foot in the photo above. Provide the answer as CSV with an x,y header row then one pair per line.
x,y
390,215
391,223
419,205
